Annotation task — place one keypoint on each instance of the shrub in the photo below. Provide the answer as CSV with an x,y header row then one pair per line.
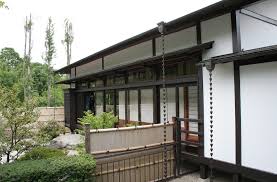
x,y
42,153
49,130
104,120
75,168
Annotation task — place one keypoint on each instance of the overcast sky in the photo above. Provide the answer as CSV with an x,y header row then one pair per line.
x,y
96,24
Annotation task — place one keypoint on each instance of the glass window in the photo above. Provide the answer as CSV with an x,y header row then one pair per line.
x,y
99,102
92,84
99,83
147,108
133,105
120,106
110,80
141,75
109,98
88,102
171,104
119,80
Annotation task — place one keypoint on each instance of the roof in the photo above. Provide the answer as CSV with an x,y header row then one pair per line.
x,y
243,55
188,20
152,60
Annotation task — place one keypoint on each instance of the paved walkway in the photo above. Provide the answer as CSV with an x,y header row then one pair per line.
x,y
194,177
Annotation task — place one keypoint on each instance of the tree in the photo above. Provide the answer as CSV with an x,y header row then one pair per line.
x,y
3,4
68,39
49,55
27,79
16,124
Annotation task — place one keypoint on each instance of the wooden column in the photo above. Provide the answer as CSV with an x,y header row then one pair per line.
x,y
87,138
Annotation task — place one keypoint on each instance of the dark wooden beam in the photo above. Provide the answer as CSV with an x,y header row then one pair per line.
x,y
236,35
237,113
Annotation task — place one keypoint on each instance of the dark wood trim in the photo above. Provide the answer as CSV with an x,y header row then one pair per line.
x,y
139,104
158,113
104,101
198,33
126,105
258,16
236,34
103,63
154,47
237,113
200,108
177,101
114,101
155,105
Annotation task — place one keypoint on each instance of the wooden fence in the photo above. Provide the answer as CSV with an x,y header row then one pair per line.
x,y
132,153
50,113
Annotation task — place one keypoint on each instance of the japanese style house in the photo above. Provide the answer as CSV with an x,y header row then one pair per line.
x,y
236,37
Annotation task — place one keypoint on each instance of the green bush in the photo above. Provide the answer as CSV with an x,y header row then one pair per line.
x,y
75,168
104,120
42,153
49,130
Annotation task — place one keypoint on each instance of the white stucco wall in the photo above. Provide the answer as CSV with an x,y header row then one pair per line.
x,y
224,113
147,107
133,105
218,29
129,55
178,40
256,33
258,116
121,105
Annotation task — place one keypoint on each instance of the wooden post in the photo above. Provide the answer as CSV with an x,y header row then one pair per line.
x,y
203,171
87,138
174,120
236,178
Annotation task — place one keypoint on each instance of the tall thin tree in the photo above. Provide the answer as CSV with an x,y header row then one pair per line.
x,y
49,54
27,57
68,39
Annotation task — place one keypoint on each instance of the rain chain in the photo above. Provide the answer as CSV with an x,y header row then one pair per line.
x,y
161,27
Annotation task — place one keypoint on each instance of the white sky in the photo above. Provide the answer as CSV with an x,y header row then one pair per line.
x,y
96,24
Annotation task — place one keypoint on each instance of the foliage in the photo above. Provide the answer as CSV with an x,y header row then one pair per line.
x,y
11,71
103,120
16,125
3,4
75,168
42,153
49,130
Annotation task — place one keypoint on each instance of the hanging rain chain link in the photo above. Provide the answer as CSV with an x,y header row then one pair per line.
x,y
161,28
210,67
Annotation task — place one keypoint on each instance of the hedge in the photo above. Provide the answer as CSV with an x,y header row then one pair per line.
x,y
42,153
70,169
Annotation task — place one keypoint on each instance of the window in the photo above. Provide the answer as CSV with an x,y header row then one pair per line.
x,y
99,83
109,99
119,80
141,75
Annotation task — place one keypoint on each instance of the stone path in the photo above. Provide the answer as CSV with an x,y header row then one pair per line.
x,y
194,177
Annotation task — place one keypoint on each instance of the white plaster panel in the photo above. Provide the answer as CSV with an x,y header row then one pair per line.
x,y
266,8
223,115
256,33
147,107
121,105
129,55
258,116
171,104
133,105
91,67
218,29
177,40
